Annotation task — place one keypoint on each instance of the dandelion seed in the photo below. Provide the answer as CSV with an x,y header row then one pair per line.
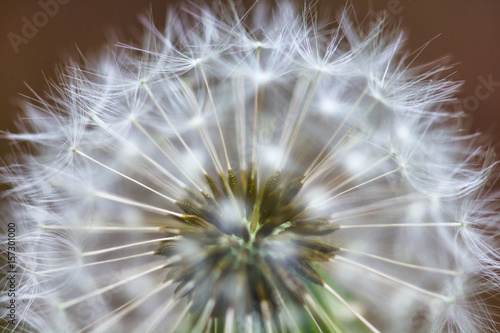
x,y
253,172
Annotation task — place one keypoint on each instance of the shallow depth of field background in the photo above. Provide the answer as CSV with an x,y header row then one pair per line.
x,y
467,32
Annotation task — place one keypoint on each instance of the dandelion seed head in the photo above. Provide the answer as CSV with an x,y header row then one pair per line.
x,y
257,171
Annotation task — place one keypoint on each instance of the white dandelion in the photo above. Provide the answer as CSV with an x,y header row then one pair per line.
x,y
254,171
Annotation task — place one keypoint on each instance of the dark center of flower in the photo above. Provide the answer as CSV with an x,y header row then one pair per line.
x,y
246,247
